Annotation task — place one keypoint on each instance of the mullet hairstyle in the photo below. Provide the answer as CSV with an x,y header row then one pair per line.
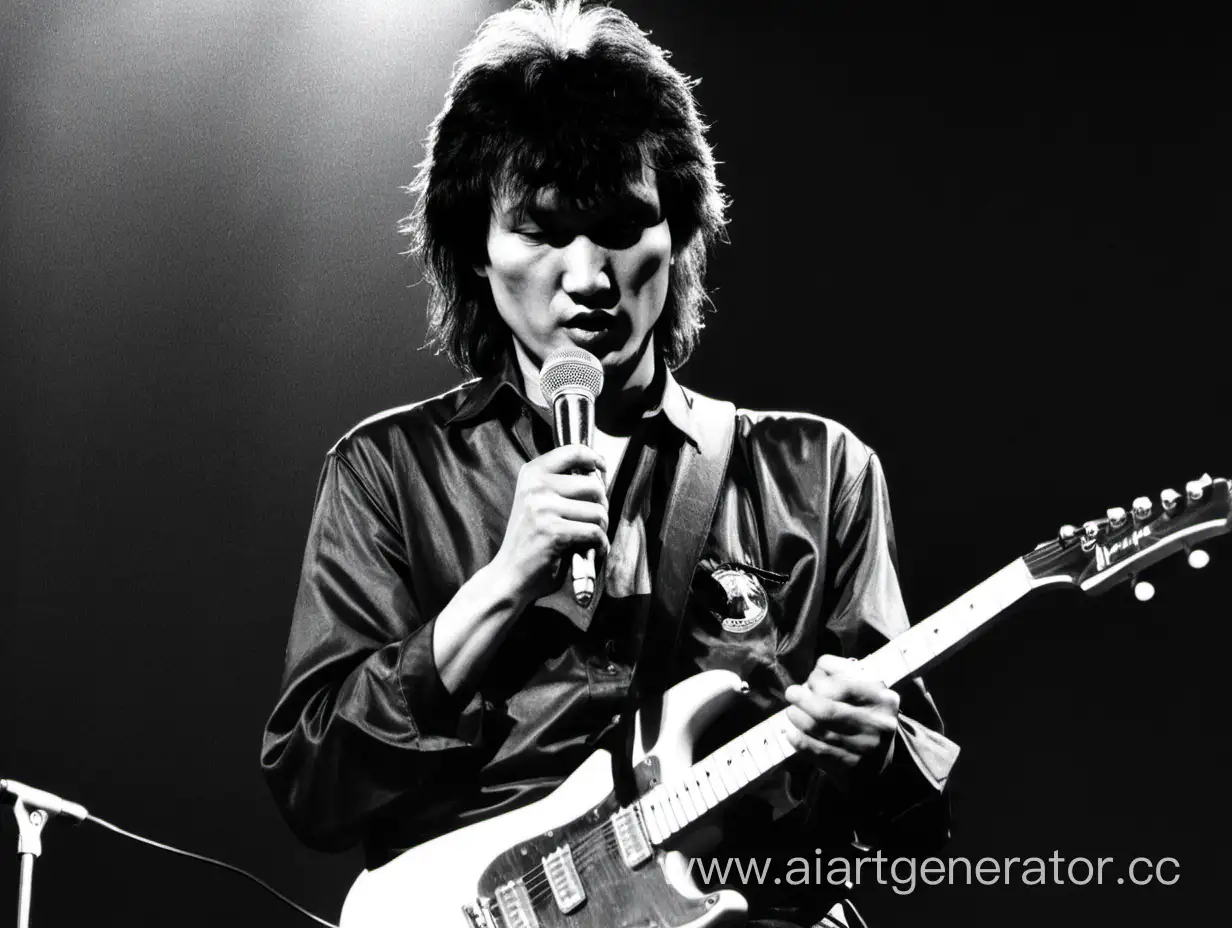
x,y
575,99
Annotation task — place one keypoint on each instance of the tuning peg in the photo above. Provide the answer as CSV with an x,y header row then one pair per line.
x,y
1169,499
1142,508
1067,534
1090,532
1116,517
1195,489
1144,590
1197,558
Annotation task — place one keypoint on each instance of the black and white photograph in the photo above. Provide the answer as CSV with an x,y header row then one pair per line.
x,y
586,464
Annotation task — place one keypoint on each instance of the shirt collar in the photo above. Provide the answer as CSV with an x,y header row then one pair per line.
x,y
676,403
484,390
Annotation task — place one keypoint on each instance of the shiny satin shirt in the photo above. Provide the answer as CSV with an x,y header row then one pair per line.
x,y
366,744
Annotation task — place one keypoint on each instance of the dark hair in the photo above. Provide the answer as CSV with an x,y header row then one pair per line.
x,y
578,99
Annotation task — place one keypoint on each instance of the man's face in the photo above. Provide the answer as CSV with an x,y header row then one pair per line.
x,y
596,277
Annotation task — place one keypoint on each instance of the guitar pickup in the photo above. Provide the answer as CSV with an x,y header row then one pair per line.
x,y
563,878
514,903
631,837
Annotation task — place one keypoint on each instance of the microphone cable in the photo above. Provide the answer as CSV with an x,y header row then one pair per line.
x,y
210,860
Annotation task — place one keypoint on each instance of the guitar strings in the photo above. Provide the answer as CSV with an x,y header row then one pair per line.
x,y
542,889
589,849
586,850
535,878
591,844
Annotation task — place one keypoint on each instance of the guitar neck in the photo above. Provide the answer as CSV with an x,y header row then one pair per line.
x,y
931,641
746,758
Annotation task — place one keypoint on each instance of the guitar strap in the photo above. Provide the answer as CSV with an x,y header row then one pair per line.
x,y
686,526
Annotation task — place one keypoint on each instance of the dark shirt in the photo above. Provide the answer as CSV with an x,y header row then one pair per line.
x,y
365,743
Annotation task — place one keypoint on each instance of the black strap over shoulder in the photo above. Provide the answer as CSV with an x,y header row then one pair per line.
x,y
691,505
686,525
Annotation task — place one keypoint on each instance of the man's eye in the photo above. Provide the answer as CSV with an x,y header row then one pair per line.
x,y
537,235
619,233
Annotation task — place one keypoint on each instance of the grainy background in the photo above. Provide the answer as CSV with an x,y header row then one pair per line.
x,y
986,242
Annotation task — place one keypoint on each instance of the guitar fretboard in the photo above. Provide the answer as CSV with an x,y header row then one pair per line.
x,y
671,806
928,642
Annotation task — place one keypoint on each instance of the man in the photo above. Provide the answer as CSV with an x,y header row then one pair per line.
x,y
435,674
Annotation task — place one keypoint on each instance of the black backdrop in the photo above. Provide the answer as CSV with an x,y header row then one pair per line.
x,y
989,244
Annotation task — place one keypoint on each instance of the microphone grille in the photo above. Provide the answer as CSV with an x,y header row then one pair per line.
x,y
569,370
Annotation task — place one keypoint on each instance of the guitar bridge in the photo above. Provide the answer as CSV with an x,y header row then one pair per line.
x,y
479,915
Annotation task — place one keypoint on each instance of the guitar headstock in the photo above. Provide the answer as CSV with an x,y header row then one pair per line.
x,y
1102,552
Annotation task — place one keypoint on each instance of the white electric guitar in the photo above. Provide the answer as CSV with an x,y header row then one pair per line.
x,y
578,859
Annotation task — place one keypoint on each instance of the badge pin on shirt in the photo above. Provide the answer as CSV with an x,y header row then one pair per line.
x,y
747,604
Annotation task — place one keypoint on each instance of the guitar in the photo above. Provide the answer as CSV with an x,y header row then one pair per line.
x,y
579,859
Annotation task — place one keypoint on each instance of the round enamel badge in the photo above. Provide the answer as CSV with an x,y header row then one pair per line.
x,y
747,605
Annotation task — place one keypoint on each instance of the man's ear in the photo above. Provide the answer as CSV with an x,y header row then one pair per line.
x,y
481,269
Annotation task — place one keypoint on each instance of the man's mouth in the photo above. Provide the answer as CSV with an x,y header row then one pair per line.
x,y
594,321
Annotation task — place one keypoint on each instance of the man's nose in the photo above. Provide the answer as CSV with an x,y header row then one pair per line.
x,y
586,270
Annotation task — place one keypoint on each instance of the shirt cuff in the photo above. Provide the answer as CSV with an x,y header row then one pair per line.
x,y
915,774
439,718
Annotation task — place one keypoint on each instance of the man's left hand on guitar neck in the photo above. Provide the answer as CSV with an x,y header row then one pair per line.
x,y
845,720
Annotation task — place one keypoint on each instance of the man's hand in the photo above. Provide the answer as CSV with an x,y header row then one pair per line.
x,y
554,512
844,719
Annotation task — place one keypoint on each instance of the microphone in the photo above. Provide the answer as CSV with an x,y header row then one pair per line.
x,y
571,379
11,791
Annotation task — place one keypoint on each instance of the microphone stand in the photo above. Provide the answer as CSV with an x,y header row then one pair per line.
x,y
30,824
32,808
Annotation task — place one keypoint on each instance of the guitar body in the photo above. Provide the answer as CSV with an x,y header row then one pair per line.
x,y
436,883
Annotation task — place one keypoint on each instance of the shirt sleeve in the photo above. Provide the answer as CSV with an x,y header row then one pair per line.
x,y
907,806
363,719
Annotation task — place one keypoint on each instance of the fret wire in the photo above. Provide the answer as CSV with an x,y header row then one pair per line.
x,y
716,777
660,811
701,795
749,765
727,769
652,824
707,779
770,741
757,750
669,810
677,805
691,807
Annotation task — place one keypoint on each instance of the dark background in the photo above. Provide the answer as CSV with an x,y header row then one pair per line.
x,y
988,244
